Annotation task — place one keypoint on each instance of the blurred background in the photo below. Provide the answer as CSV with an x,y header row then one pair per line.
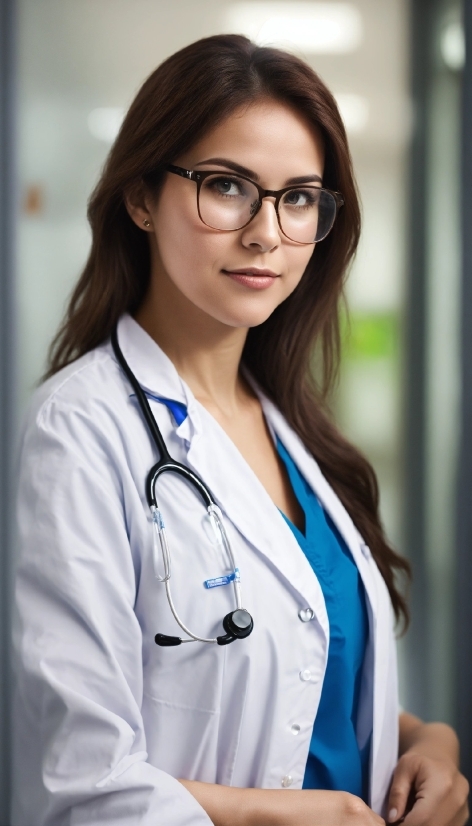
x,y
70,68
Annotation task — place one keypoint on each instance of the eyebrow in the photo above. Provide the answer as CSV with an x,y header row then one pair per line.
x,y
249,173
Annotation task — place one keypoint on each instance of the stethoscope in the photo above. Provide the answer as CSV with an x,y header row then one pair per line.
x,y
238,624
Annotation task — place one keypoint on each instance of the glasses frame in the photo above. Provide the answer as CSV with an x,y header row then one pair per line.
x,y
199,177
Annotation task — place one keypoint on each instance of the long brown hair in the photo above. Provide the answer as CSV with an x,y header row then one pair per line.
x,y
184,98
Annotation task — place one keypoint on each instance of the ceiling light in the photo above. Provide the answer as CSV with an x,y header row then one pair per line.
x,y
453,45
354,110
320,28
104,124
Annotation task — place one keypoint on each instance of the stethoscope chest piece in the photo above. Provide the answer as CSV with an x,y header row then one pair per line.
x,y
238,625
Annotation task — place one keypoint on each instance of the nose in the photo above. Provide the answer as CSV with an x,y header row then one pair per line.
x,y
263,231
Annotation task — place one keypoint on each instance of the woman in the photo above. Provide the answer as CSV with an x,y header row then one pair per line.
x,y
223,225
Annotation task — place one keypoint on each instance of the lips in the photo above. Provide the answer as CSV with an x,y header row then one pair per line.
x,y
252,277
255,271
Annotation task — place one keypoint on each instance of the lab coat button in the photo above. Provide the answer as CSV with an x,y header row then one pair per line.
x,y
295,729
306,614
305,675
287,781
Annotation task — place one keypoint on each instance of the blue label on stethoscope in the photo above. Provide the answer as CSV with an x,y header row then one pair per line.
x,y
223,580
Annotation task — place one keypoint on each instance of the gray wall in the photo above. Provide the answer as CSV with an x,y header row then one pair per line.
x,y
463,629
7,338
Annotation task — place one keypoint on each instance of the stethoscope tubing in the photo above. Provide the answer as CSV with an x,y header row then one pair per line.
x,y
141,397
169,465
165,463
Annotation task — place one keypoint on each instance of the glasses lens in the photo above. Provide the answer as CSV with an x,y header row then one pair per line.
x,y
307,214
227,201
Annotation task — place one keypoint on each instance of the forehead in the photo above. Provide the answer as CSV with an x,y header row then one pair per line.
x,y
267,136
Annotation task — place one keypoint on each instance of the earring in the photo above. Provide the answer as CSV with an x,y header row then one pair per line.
x,y
146,223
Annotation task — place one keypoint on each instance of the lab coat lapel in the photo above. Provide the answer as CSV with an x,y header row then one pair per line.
x,y
379,605
326,495
246,503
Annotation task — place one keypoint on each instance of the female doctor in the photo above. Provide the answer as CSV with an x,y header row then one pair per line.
x,y
182,484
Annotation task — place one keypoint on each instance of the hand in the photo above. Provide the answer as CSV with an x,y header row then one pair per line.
x,y
428,792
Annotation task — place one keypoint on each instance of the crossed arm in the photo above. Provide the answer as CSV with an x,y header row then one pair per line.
x,y
427,790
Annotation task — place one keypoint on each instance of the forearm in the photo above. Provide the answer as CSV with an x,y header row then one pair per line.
x,y
224,805
435,740
229,806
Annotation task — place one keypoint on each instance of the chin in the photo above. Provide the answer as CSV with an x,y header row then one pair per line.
x,y
247,320
247,316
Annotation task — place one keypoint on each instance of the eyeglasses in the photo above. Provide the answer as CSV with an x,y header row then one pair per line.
x,y
227,202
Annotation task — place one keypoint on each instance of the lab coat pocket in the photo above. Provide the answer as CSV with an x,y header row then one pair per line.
x,y
181,740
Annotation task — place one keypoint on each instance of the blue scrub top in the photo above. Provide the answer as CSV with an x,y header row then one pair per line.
x,y
335,761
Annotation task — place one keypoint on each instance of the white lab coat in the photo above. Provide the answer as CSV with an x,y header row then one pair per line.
x,y
105,720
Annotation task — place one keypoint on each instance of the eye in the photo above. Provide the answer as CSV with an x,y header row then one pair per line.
x,y
229,187
302,198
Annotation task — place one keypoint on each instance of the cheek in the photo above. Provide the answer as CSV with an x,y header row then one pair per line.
x,y
187,251
299,259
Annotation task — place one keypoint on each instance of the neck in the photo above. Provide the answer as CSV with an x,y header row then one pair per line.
x,y
205,352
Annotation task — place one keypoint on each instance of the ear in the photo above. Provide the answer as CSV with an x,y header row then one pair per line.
x,y
137,207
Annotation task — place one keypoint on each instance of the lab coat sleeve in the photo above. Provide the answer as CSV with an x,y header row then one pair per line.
x,y
80,743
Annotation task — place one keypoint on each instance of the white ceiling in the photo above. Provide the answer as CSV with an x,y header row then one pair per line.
x,y
99,52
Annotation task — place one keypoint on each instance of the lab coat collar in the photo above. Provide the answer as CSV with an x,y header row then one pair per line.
x,y
156,373
154,370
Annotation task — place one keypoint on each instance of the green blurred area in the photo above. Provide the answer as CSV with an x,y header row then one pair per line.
x,y
369,336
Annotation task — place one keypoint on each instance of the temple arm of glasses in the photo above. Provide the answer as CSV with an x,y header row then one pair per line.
x,y
179,170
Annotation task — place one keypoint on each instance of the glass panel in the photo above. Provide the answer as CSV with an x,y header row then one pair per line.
x,y
442,368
